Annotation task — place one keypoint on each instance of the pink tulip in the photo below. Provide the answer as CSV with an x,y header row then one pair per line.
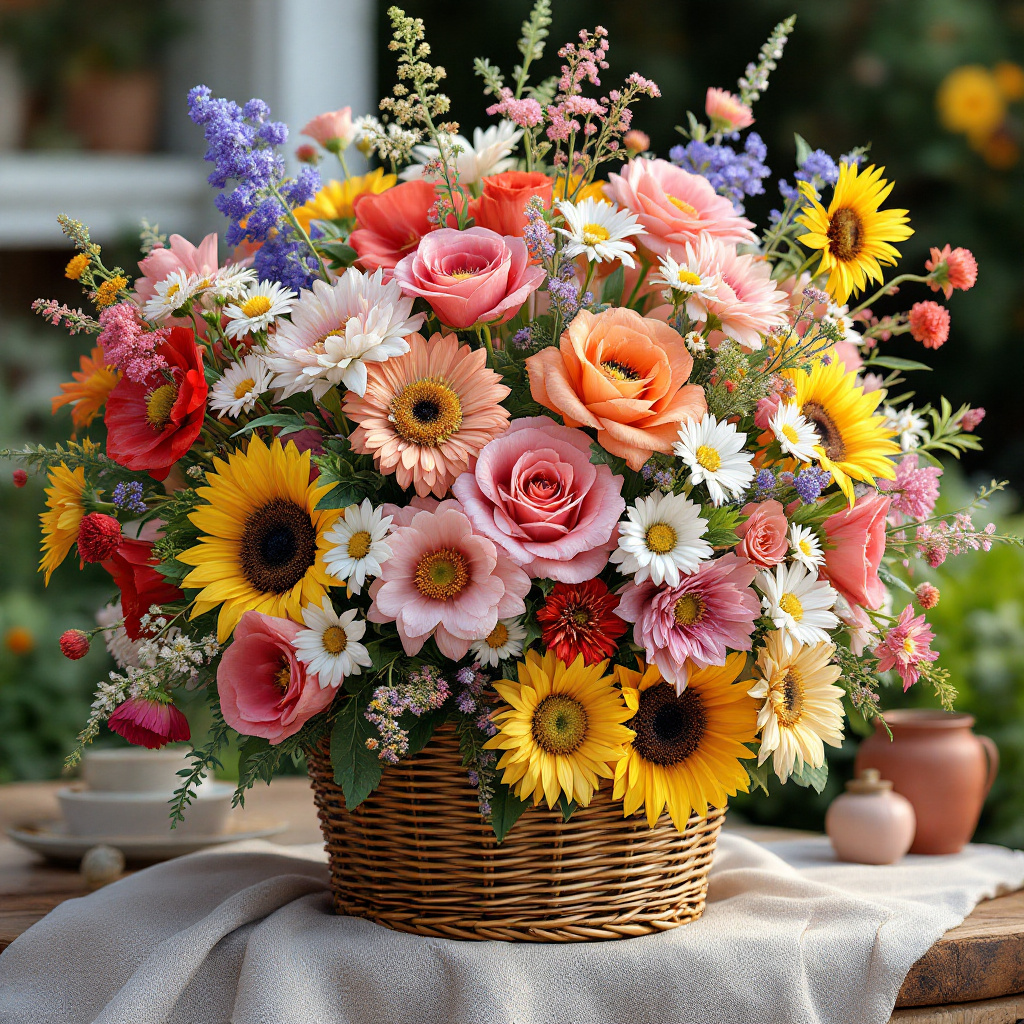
x,y
332,130
856,543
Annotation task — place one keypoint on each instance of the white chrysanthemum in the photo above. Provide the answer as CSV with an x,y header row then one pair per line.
x,y
262,305
805,547
357,544
336,329
503,642
231,282
660,537
487,154
912,429
798,603
714,452
794,432
329,646
172,293
120,646
687,281
240,386
840,315
598,229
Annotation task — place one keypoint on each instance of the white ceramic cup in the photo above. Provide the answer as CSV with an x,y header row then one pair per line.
x,y
135,770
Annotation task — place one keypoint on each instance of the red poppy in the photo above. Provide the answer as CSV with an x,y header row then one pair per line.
x,y
141,585
502,207
579,618
150,425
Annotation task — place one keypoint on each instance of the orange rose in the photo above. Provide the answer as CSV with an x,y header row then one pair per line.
x,y
502,206
622,374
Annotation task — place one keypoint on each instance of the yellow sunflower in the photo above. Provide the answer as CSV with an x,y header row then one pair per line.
x,y
562,731
263,541
60,524
803,708
853,234
334,200
688,746
854,438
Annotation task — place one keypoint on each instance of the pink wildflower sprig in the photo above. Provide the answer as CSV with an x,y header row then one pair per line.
x,y
914,490
128,344
938,541
74,321
906,647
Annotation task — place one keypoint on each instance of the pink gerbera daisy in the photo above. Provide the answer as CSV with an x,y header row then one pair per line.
x,y
696,624
427,414
728,113
442,580
906,647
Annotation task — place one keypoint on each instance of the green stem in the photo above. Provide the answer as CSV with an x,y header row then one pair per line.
x,y
344,166
885,288
641,277
301,232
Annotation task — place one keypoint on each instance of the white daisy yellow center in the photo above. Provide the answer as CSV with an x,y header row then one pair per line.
x,y
688,277
335,640
805,547
256,305
660,538
790,434
709,458
595,233
359,544
497,637
792,605
244,387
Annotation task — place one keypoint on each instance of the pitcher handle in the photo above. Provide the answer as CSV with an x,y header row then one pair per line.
x,y
992,757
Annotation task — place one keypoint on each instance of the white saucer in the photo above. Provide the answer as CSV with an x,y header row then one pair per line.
x,y
52,840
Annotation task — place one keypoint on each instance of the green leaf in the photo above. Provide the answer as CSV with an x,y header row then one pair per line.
x,y
506,810
567,807
891,580
817,512
803,149
722,523
331,401
599,457
892,363
274,419
421,730
342,254
356,769
613,287
758,774
811,778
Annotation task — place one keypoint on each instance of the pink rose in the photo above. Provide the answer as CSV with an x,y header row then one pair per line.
x,y
470,277
264,689
537,495
763,538
856,543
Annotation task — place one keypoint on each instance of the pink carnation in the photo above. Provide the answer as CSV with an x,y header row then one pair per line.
x,y
952,268
728,113
929,323
332,130
696,624
914,489
128,345
906,647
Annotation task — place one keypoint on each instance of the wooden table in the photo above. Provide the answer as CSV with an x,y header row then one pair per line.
x,y
973,975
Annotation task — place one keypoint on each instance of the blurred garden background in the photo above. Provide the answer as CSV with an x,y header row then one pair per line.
x,y
92,123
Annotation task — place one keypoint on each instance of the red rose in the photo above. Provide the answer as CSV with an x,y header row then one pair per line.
x,y
141,585
150,425
763,538
502,207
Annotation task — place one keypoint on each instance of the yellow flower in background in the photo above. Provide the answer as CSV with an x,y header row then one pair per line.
x,y
334,200
688,747
999,151
970,101
262,543
853,234
854,438
76,266
106,294
88,391
1009,79
60,524
562,731
595,190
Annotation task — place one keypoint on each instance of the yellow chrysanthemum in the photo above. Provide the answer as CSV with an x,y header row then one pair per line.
x,y
60,524
688,746
803,708
334,200
854,439
263,541
88,391
969,101
107,293
853,233
76,266
563,730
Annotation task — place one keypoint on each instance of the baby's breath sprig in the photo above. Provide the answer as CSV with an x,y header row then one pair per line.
x,y
755,78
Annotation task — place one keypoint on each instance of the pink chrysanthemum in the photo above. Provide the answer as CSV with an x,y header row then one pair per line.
x,y
914,490
929,323
927,595
696,624
442,580
427,414
906,647
960,270
728,113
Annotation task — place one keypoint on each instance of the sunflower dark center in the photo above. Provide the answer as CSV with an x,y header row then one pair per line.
x,y
669,727
828,433
790,708
278,546
426,411
559,724
845,234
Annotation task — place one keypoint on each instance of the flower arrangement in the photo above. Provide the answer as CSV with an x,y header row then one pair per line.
x,y
534,434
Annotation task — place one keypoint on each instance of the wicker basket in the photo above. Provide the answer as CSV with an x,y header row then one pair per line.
x,y
416,857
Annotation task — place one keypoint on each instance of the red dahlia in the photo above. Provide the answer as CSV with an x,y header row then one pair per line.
x,y
134,570
151,424
579,618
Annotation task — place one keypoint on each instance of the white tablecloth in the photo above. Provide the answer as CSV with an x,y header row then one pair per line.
x,y
245,935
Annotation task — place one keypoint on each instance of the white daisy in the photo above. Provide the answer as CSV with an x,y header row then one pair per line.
x,y
231,282
262,305
329,646
912,429
240,386
794,432
489,153
598,229
335,329
503,642
357,544
661,537
714,452
171,294
798,603
839,314
805,547
688,281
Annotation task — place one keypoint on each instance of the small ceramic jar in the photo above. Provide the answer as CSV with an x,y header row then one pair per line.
x,y
869,823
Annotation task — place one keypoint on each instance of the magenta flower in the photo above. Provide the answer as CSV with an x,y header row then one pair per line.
x,y
906,647
696,624
151,722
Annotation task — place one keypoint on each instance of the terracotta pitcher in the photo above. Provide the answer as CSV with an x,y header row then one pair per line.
x,y
940,766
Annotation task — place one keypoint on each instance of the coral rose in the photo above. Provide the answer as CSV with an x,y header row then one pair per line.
x,y
625,376
675,206
855,539
389,225
502,207
470,277
763,535
264,689
537,495
134,570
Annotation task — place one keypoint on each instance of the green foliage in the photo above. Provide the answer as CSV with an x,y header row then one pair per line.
x,y
722,523
356,769
506,810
